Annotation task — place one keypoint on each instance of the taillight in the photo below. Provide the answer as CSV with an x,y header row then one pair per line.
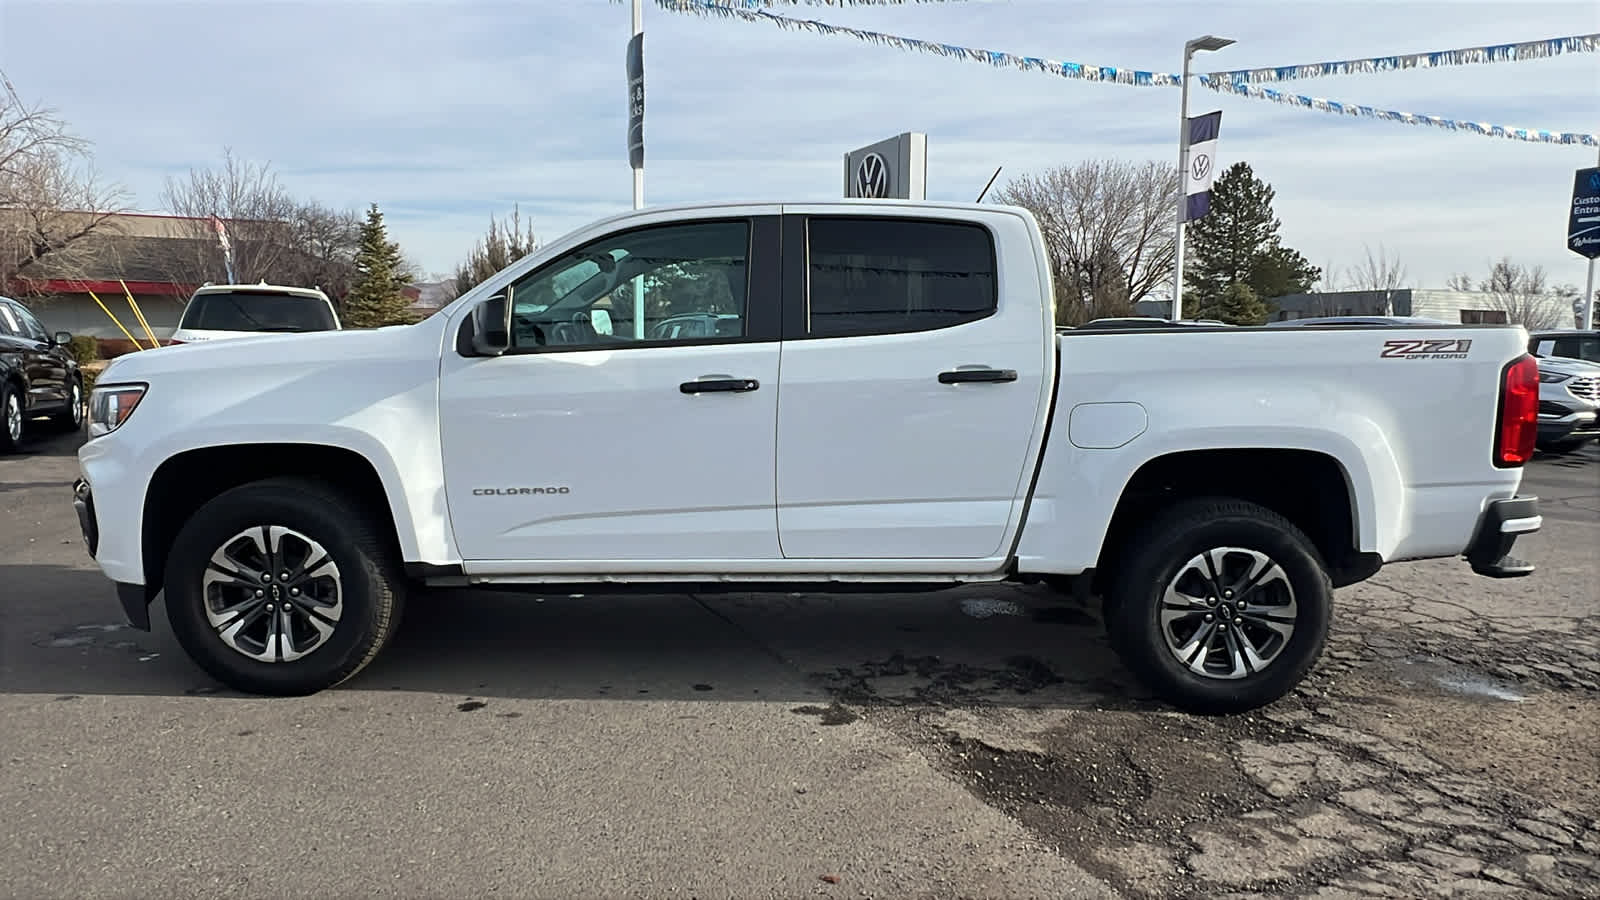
x,y
1518,424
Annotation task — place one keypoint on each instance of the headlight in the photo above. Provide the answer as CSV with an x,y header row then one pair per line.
x,y
1552,377
111,405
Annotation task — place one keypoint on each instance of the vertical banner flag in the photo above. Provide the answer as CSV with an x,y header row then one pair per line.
x,y
1583,223
636,101
1201,166
227,248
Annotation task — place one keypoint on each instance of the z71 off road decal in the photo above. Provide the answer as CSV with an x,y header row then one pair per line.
x,y
1426,349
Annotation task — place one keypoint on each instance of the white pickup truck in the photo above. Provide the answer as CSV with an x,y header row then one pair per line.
x,y
874,396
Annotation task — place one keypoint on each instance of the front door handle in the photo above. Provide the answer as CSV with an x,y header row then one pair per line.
x,y
959,376
708,383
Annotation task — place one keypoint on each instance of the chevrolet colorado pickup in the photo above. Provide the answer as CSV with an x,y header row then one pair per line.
x,y
884,404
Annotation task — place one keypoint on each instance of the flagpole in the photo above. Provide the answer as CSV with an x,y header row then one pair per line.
x,y
1206,42
1176,312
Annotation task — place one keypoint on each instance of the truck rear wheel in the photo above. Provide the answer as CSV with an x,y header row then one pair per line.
x,y
1220,606
283,586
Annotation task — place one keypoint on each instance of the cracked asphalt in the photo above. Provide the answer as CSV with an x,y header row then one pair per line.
x,y
982,742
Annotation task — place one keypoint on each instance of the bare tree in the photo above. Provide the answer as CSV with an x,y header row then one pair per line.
x,y
1460,281
51,200
256,211
323,248
1108,226
272,236
1521,292
1377,273
505,243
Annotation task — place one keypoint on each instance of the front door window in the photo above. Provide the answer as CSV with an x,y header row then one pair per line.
x,y
692,278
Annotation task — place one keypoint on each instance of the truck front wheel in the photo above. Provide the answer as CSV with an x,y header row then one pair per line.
x,y
282,586
1220,606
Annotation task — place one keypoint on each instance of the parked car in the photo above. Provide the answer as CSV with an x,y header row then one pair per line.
x,y
1569,404
928,427
1571,344
38,376
218,311
695,325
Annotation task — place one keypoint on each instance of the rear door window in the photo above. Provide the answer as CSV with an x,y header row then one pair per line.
x,y
256,311
894,276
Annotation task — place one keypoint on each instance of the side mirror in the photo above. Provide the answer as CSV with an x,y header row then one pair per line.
x,y
491,326
600,320
62,338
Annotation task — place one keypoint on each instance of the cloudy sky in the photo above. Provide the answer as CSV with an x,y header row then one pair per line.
x,y
447,111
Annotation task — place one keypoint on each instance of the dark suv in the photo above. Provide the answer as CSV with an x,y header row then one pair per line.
x,y
38,376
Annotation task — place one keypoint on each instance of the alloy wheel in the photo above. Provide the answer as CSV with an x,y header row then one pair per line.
x,y
1228,613
14,418
273,594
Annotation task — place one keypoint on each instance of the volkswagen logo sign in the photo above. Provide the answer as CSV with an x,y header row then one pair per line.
x,y
872,176
1199,166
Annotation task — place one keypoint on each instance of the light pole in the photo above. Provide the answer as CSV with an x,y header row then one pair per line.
x,y
1588,290
1206,42
636,112
638,171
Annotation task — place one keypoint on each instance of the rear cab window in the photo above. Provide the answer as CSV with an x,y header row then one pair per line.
x,y
871,275
266,311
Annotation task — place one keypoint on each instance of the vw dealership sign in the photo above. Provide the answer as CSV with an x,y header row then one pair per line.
x,y
1583,221
895,168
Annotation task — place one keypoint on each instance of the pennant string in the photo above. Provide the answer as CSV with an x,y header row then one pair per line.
x,y
1237,82
1541,49
1533,135
746,10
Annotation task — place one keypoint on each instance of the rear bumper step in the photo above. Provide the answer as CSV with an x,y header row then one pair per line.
x,y
1501,524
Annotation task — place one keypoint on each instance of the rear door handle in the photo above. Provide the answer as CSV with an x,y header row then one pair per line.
x,y
708,383
959,376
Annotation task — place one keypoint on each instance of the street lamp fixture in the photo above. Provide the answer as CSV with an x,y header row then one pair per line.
x,y
1204,42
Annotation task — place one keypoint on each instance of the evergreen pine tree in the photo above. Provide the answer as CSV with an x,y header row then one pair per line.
x,y
1238,305
375,299
1237,242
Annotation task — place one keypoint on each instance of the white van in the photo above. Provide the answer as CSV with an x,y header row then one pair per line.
x,y
239,310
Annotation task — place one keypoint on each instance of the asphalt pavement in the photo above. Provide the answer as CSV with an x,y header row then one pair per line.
x,y
930,745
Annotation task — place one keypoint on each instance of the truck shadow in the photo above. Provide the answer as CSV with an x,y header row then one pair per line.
x,y
62,633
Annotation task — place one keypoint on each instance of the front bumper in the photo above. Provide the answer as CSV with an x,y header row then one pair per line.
x,y
1569,423
83,504
134,598
1501,524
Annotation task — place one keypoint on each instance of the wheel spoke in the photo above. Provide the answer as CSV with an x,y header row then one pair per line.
x,y
1263,571
1230,649
1282,625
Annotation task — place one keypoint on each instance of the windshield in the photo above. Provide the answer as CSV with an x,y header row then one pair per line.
x,y
257,311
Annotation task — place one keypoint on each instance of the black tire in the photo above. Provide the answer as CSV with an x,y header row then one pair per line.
x,y
371,584
1162,550
71,418
11,401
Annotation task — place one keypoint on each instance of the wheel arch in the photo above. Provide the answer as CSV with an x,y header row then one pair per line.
x,y
187,480
1313,489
